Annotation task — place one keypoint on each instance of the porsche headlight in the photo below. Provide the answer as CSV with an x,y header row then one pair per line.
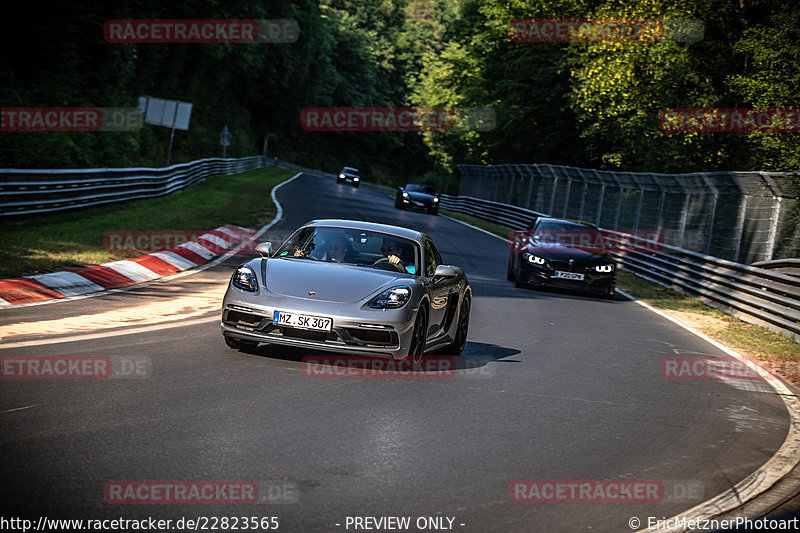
x,y
536,260
245,279
604,268
393,298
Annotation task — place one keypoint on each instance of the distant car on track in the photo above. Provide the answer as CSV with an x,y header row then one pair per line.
x,y
349,175
417,195
353,287
562,253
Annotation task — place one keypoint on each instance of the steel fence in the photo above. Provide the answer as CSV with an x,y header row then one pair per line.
x,y
739,216
24,192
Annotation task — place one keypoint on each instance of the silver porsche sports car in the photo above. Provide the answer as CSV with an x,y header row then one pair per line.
x,y
348,286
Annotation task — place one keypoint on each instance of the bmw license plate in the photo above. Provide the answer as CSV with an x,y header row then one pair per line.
x,y
316,323
569,275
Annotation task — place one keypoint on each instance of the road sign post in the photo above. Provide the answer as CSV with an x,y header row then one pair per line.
x,y
225,140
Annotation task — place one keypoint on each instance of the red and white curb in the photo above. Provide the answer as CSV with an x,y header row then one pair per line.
x,y
79,281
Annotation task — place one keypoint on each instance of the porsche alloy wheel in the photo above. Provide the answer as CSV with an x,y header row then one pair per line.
x,y
462,328
418,336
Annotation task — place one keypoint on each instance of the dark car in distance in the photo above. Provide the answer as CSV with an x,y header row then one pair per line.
x,y
417,196
562,253
349,175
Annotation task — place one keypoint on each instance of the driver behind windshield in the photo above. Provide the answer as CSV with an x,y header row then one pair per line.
x,y
397,254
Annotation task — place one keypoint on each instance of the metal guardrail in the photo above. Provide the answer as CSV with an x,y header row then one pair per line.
x,y
756,295
24,192
739,216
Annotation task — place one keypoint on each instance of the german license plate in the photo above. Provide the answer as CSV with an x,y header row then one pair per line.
x,y
569,275
316,323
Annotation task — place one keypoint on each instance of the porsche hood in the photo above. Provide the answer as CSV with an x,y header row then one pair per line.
x,y
329,282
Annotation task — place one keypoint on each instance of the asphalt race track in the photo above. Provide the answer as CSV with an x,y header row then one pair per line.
x,y
551,386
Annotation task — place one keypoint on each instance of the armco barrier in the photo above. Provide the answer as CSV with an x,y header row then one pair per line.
x,y
24,192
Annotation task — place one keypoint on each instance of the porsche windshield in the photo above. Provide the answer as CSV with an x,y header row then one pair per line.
x,y
353,247
416,187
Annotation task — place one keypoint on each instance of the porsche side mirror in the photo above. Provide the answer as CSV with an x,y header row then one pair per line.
x,y
264,248
444,272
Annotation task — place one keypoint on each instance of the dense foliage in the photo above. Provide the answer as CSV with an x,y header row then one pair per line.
x,y
592,104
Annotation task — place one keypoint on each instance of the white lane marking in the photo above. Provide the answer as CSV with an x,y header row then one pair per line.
x,y
479,229
106,334
67,283
21,408
211,264
774,470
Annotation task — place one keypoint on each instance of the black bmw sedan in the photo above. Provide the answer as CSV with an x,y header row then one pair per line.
x,y
562,253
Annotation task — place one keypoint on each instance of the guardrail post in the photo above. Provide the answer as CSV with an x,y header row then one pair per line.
x,y
583,198
715,191
530,186
769,253
737,243
553,192
566,198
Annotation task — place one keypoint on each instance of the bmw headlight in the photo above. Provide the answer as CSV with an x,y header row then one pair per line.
x,y
436,200
245,279
391,298
405,195
355,179
536,260
604,268
341,176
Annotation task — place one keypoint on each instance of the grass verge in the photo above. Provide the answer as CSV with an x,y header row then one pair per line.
x,y
756,342
50,242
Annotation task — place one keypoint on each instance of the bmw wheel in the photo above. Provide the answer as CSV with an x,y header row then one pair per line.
x,y
518,278
510,275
